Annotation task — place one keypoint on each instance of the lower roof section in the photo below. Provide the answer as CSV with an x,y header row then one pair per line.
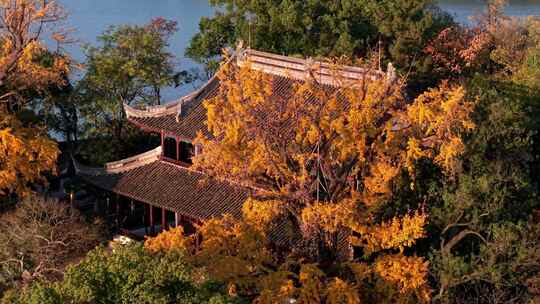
x,y
169,186
148,179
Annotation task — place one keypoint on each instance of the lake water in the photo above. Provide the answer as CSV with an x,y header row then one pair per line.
x,y
91,17
463,9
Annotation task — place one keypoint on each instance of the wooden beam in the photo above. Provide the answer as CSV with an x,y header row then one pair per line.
x,y
176,220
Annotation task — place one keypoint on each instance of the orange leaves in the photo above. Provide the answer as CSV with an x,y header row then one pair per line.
x,y
26,154
25,63
340,292
408,273
382,173
326,157
438,118
399,233
329,217
232,251
261,214
169,240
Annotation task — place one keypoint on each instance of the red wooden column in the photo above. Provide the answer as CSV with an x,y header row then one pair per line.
x,y
162,143
118,211
152,228
145,221
177,149
163,219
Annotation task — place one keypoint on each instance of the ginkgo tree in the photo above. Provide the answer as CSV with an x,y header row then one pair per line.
x,y
26,154
27,69
323,159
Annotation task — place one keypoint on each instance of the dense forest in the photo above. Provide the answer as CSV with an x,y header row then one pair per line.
x,y
432,175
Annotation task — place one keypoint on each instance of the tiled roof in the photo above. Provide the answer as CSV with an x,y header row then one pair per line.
x,y
187,116
166,185
148,179
186,121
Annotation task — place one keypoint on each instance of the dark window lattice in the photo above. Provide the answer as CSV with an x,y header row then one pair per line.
x,y
169,148
186,152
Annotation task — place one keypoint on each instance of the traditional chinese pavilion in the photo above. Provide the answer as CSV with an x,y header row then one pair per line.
x,y
159,185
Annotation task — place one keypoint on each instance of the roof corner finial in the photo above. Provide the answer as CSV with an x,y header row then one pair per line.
x,y
311,67
309,64
179,113
241,53
391,72
239,45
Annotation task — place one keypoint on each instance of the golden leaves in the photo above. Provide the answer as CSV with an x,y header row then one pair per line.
x,y
261,214
382,173
310,278
231,251
330,217
398,233
331,156
437,119
26,154
169,240
409,273
341,292
25,63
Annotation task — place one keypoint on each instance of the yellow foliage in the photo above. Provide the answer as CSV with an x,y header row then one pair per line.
x,y
260,214
340,292
26,154
439,131
231,251
329,216
25,63
327,158
169,240
398,233
312,289
382,173
409,273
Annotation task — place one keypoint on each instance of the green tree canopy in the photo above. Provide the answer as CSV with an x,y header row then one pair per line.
x,y
131,66
128,274
483,227
321,28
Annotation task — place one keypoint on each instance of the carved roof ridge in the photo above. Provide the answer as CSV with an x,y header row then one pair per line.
x,y
120,165
279,65
298,68
140,160
174,107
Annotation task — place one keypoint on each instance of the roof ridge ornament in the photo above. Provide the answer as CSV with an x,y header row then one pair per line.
x,y
391,73
179,114
240,44
312,68
241,52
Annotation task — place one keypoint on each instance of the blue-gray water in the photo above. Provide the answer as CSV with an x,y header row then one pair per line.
x,y
463,9
90,17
